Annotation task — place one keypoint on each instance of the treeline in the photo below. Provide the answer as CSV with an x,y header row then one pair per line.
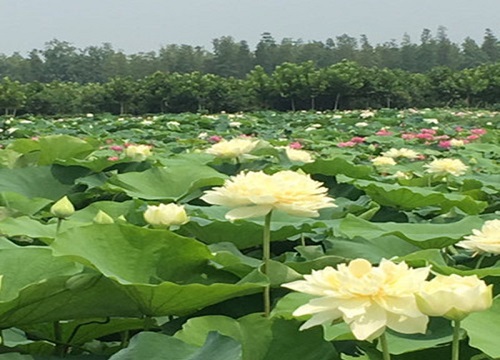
x,y
290,86
61,61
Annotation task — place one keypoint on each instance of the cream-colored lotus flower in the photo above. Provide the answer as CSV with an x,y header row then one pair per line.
x,y
63,208
255,194
486,240
403,152
383,161
446,166
166,215
233,148
367,298
457,142
138,152
298,155
454,297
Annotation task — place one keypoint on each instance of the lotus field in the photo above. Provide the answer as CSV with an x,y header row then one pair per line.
x,y
259,236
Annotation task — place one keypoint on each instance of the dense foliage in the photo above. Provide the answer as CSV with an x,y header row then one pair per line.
x,y
91,277
61,61
344,85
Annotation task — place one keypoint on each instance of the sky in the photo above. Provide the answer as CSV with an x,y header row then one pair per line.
x,y
135,26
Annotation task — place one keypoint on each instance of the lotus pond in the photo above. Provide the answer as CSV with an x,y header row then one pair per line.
x,y
375,204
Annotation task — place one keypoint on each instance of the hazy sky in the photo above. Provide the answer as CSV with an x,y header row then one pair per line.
x,y
145,25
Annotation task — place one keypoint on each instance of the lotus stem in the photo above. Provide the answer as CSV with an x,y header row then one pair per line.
x,y
385,347
266,255
455,345
59,223
480,261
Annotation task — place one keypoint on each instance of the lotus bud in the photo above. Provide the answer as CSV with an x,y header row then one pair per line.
x,y
62,208
103,218
454,297
166,215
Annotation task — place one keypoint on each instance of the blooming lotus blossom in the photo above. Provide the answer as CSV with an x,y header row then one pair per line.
x,y
299,155
408,136
233,148
446,166
383,132
367,114
358,139
116,148
166,215
425,136
478,131
347,144
361,124
215,138
383,161
486,240
473,137
138,152
457,142
234,124
367,298
454,297
428,131
254,194
444,144
295,145
403,152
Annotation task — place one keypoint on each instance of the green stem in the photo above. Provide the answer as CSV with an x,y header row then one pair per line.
x,y
385,348
455,345
60,349
480,261
266,255
59,222
302,240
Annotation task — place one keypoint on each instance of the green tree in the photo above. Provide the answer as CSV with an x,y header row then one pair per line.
x,y
472,55
121,90
343,80
491,46
266,54
292,81
12,96
260,85
469,83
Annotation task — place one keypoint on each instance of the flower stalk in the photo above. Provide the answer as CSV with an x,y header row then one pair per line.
x,y
385,347
455,345
266,255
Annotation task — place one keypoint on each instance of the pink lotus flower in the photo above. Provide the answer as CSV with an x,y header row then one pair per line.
x,y
420,157
117,148
113,158
383,132
473,137
478,131
408,136
441,137
358,139
295,145
459,129
445,144
425,136
428,131
347,144
215,138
